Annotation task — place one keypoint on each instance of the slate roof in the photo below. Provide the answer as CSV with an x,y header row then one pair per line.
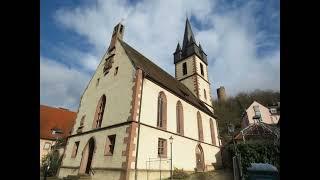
x,y
161,77
189,47
52,118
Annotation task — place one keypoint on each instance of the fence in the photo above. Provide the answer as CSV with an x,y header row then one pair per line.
x,y
158,164
237,168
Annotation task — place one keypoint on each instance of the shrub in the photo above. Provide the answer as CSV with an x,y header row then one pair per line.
x,y
257,152
54,163
179,174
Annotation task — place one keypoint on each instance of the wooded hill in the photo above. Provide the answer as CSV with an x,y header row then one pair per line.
x,y
232,109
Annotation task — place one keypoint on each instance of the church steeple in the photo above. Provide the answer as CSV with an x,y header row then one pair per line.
x,y
178,48
189,46
191,66
188,34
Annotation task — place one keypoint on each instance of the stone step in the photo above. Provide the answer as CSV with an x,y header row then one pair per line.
x,y
77,177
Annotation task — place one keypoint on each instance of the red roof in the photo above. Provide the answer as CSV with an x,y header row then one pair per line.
x,y
55,118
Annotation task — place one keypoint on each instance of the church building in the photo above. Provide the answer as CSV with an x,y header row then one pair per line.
x,y
134,118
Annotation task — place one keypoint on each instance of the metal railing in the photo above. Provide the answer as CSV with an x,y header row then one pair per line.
x,y
91,171
160,168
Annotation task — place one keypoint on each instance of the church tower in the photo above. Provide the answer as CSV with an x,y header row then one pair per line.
x,y
191,66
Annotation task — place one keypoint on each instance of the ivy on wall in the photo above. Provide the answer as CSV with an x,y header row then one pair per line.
x,y
257,152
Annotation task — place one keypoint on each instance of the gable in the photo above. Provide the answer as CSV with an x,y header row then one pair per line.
x,y
113,85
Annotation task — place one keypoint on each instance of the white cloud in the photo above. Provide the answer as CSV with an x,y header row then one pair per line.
x,y
154,28
61,86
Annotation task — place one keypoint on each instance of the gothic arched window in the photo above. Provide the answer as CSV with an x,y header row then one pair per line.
x,y
162,111
99,112
179,114
213,133
200,129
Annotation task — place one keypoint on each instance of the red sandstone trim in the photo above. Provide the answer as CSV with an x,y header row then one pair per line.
x,y
131,131
196,82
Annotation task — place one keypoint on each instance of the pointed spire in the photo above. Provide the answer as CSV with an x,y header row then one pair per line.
x,y
188,34
178,47
200,47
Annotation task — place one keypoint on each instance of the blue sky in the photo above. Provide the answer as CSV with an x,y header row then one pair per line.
x,y
240,37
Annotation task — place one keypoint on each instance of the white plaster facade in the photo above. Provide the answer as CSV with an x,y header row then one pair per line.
x,y
118,91
133,146
266,115
43,150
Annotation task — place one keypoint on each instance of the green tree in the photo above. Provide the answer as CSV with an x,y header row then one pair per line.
x,y
53,160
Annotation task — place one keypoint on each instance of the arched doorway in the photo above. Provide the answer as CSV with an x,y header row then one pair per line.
x,y
199,158
87,156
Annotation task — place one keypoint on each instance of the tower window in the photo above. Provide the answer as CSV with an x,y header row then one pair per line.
x,y
201,68
184,68
205,94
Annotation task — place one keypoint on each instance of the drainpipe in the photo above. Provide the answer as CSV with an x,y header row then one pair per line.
x,y
137,150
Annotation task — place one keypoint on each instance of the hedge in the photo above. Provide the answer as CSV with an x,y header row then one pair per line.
x,y
257,152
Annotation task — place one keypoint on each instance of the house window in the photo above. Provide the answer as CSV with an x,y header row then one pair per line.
x,y
201,68
108,151
97,82
184,68
47,146
179,113
162,111
99,112
108,64
256,110
205,93
116,70
200,129
257,113
75,149
213,135
273,110
162,148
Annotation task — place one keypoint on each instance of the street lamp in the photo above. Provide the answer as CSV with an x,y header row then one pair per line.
x,y
231,131
171,141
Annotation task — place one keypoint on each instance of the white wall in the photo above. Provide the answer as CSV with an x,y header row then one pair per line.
x,y
184,147
183,150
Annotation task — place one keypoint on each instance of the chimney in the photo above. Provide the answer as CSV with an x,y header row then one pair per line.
x,y
118,32
221,92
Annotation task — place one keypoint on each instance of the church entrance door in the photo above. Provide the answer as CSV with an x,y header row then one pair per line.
x,y
199,158
87,156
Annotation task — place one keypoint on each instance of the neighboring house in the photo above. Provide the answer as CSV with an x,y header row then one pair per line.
x,y
260,122
257,112
54,123
130,109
